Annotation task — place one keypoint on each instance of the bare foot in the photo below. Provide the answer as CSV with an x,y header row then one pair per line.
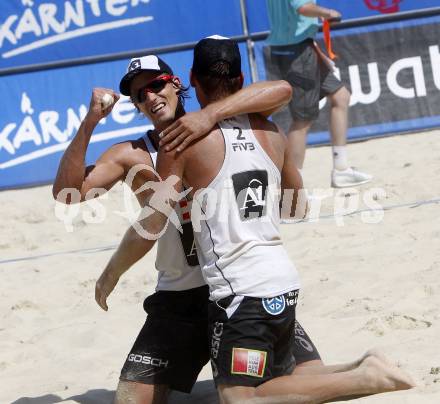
x,y
382,377
377,354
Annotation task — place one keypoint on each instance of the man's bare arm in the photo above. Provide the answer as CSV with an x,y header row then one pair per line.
x,y
72,171
141,236
264,97
293,196
168,191
313,10
130,250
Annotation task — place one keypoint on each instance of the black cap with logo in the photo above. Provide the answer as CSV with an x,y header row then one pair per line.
x,y
209,51
150,63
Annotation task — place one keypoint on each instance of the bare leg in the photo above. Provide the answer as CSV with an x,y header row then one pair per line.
x,y
342,174
316,367
371,377
339,116
297,138
139,393
235,394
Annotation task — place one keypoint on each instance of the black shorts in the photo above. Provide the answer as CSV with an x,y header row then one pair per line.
x,y
310,78
172,346
251,339
304,350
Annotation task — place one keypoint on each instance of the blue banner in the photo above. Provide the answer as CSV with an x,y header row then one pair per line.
x,y
258,21
39,31
44,111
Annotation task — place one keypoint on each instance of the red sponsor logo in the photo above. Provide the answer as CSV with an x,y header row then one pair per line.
x,y
185,209
384,6
248,362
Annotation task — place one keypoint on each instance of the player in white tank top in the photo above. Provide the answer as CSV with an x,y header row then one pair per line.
x,y
240,243
176,258
253,284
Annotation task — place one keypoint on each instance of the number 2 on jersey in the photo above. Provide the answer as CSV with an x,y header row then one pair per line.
x,y
240,133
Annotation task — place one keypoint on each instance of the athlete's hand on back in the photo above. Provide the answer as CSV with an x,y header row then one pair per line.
x,y
104,286
96,111
190,127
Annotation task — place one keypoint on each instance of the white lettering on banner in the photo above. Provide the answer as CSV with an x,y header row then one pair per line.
x,y
435,63
48,20
28,23
44,129
73,120
26,132
75,15
51,20
5,31
356,87
26,105
48,122
5,143
94,6
414,63
115,7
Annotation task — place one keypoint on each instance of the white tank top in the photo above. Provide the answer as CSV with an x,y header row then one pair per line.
x,y
176,258
237,231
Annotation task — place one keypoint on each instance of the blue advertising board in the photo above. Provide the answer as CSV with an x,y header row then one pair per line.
x,y
258,21
40,31
45,108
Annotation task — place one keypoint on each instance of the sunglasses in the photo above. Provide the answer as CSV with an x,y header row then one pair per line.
x,y
154,86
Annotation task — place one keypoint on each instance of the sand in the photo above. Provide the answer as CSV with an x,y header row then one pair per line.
x,y
364,285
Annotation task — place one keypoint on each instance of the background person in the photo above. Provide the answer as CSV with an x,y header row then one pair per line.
x,y
292,56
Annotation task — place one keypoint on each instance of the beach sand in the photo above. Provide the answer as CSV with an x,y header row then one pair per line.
x,y
364,284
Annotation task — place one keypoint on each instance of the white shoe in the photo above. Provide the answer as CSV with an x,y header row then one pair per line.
x,y
349,178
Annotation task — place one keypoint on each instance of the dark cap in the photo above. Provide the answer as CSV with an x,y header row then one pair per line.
x,y
215,49
150,63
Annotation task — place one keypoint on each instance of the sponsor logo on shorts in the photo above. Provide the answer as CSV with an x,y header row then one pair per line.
x,y
215,339
300,339
148,360
248,362
292,298
274,305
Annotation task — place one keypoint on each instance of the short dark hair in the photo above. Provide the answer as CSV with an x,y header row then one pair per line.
x,y
183,94
217,66
208,52
219,86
